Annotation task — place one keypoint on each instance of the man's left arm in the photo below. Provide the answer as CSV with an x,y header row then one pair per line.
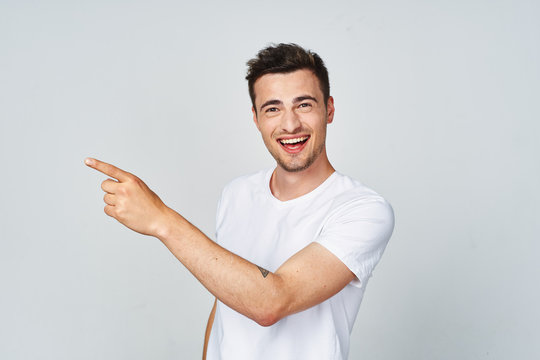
x,y
309,277
306,279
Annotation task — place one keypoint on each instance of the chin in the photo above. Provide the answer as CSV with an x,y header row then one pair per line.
x,y
292,166
293,169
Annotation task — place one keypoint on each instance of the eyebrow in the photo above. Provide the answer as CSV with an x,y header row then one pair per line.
x,y
271,102
296,100
302,98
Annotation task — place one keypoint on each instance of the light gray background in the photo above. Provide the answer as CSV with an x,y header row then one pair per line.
x,y
436,109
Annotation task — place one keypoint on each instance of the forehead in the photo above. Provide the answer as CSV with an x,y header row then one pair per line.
x,y
287,86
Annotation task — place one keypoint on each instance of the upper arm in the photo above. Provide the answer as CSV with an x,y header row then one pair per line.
x,y
309,277
348,248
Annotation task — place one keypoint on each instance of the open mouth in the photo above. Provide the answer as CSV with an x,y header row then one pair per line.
x,y
294,145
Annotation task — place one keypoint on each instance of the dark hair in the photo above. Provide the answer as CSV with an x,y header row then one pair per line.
x,y
286,58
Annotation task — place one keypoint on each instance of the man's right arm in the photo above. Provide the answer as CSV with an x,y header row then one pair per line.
x,y
209,329
309,277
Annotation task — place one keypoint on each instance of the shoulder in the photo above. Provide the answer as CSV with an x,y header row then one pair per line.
x,y
357,228
250,182
354,199
240,194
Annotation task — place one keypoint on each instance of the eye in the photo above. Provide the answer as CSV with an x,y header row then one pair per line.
x,y
304,107
272,109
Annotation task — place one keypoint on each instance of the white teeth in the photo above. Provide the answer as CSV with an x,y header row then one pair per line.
x,y
293,141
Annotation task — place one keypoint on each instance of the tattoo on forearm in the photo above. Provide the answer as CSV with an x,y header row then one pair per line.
x,y
264,272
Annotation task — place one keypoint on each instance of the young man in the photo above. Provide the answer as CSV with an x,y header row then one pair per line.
x,y
295,244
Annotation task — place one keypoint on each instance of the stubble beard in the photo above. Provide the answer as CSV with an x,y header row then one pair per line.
x,y
295,166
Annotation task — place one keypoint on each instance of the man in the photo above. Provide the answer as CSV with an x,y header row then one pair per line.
x,y
295,244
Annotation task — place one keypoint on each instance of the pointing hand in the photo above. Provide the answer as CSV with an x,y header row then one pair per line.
x,y
130,201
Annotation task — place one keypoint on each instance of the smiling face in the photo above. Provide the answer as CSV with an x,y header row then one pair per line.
x,y
292,116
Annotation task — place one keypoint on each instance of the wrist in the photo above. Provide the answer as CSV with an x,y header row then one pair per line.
x,y
167,226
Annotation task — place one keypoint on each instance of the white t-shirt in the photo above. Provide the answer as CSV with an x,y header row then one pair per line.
x,y
343,215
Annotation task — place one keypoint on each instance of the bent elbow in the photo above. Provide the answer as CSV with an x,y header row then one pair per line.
x,y
274,306
268,318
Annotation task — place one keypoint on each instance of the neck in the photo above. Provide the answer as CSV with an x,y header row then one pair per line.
x,y
286,185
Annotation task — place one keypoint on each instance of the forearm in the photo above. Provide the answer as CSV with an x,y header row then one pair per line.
x,y
236,282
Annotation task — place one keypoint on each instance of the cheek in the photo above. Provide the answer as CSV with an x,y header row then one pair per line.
x,y
267,129
267,136
265,132
316,124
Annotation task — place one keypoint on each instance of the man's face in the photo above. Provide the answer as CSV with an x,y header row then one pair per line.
x,y
292,118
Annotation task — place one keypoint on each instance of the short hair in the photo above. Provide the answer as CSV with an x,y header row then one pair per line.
x,y
286,58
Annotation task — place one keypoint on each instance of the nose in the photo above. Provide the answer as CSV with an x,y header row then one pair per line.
x,y
290,122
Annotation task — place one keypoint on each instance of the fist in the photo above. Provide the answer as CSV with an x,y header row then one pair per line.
x,y
130,201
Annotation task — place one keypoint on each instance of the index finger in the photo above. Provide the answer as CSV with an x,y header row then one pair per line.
x,y
107,169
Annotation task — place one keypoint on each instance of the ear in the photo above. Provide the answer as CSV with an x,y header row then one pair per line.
x,y
330,109
255,120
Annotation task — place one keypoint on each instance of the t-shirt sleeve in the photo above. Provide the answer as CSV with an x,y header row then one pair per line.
x,y
357,232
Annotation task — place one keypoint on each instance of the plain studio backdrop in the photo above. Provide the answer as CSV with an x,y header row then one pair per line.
x,y
436,109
